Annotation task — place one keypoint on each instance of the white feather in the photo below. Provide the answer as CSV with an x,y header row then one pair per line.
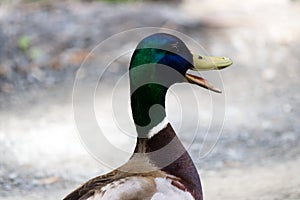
x,y
141,188
160,126
167,191
128,188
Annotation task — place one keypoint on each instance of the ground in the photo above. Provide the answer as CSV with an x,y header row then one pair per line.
x,y
256,125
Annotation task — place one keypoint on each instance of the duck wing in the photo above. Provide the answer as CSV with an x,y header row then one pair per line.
x,y
92,186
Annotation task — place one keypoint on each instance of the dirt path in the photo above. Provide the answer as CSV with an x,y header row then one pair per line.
x,y
272,182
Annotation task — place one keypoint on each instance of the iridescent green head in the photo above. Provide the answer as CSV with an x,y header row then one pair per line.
x,y
159,61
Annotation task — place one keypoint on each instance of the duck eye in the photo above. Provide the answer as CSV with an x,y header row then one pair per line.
x,y
175,46
200,57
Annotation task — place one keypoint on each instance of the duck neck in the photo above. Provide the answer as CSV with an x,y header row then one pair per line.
x,y
174,160
148,108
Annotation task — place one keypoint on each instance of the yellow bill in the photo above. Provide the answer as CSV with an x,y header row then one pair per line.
x,y
205,63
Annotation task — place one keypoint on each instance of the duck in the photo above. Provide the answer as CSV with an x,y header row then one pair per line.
x,y
160,167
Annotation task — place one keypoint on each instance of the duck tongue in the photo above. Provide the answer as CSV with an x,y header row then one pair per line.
x,y
201,82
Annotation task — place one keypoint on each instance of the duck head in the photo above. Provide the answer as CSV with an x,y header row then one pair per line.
x,y
159,61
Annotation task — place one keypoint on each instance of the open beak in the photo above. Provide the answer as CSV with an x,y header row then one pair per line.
x,y
204,63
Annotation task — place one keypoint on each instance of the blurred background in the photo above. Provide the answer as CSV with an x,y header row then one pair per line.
x,y
43,44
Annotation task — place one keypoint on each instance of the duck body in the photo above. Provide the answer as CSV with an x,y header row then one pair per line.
x,y
142,178
160,167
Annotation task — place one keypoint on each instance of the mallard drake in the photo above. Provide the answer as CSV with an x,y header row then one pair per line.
x,y
160,167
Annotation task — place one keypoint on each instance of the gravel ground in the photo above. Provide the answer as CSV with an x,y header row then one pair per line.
x,y
43,45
